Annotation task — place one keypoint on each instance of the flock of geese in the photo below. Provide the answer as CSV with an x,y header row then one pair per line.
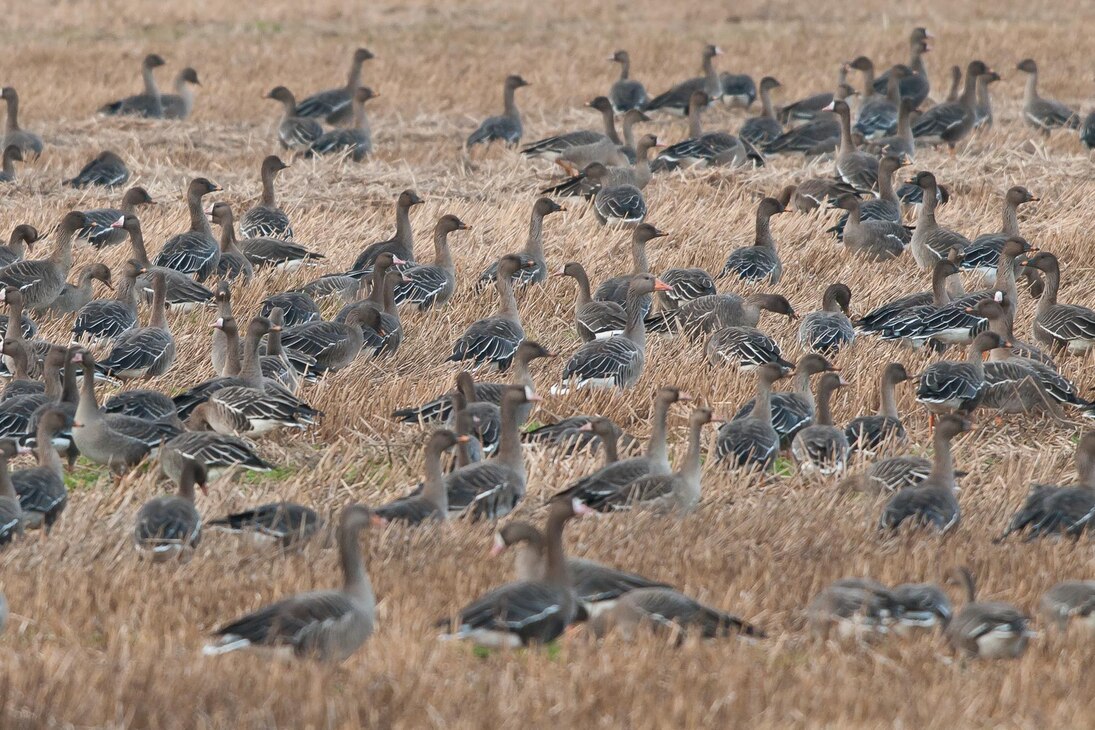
x,y
52,405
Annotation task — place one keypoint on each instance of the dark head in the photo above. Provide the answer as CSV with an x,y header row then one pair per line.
x,y
1028,66
890,162
620,56
353,518
711,50
443,439
277,319
830,383
836,296
925,180
100,272
515,533
634,116
272,165
74,221
701,416
364,93
989,309
952,425
53,421
813,364
189,76
368,315
603,428
128,223
769,373
768,83
361,55
1018,195
221,214
698,100
919,37
509,265
200,187
386,260
9,449
976,68
847,202
223,294
671,394
1016,246
900,71
769,207
989,78
896,373
774,303
519,395
529,350
944,268
645,232
862,63
408,199
259,327
516,82
137,196
595,171
26,233
449,223
546,206
132,269
153,60
1045,262
283,95
839,107
601,104
987,341
572,269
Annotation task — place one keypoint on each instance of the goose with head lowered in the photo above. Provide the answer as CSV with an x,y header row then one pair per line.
x,y
219,453
11,155
933,502
285,523
1057,510
495,339
828,330
666,610
22,239
76,294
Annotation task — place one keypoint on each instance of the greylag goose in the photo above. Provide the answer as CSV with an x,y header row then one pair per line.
x,y
28,143
334,345
325,625
828,330
144,352
11,514
744,347
507,127
878,115
22,239
710,148
794,410
915,86
109,318
951,122
932,502
616,360
765,127
147,104
102,231
334,105
181,103
858,169
666,610
233,264
495,339
41,489
983,253
107,169
41,281
171,526
759,261
355,141
948,386
821,448
593,319
295,132
1068,601
575,150
1069,327
867,433
432,503
534,269
873,240
182,291
626,93
526,612
265,219
286,523
401,244
1042,114
614,204
614,289
12,154
853,608
1050,510
196,251
986,629
752,441
75,296
433,285
931,242
678,99
218,452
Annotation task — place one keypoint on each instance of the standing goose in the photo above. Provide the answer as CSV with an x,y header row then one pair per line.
x,y
677,99
867,433
534,269
575,150
878,115
102,232
334,105
495,339
181,103
41,489
638,175
1068,327
147,104
751,441
614,289
326,625
12,154
951,122
794,410
41,281
665,609
507,127
933,502
171,527
626,93
295,132
28,143
902,141
22,238
266,219
827,331
233,264
219,453
17,356
593,319
710,148
356,140
931,242
428,285
887,206
76,295
196,251
287,523
958,386
1072,599
182,291
463,424
526,612
144,352
858,169
917,85
386,337
11,514
297,306
401,244
819,135
1042,114
759,261
821,447
764,128
432,503
106,169
617,360
109,318
986,629
983,253
744,347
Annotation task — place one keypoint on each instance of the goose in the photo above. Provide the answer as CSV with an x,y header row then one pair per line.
x,y
144,352
867,433
432,503
746,347
295,132
233,264
182,291
431,286
578,433
739,91
18,408
951,122
615,288
820,134
688,284
29,143
821,448
921,607
626,93
1040,113
678,99
759,261
878,115
75,295
41,281
401,245
170,527
22,239
534,268
265,219
506,128
983,253
150,405
147,104
381,327
181,103
325,625
817,193
574,150
335,105
858,169
917,85
930,242
794,410
196,251
751,441
106,169
41,489
901,142
668,610
485,418
852,608
765,127
999,311
219,453
11,514
11,155
334,345
710,148
109,318
102,231
890,475
638,175
1050,510
1068,601
829,330
982,111
932,502
616,205
887,206
986,629
297,307
495,339
883,320
1068,327
949,386
355,141
287,523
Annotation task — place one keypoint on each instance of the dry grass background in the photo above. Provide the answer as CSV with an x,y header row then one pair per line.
x,y
99,640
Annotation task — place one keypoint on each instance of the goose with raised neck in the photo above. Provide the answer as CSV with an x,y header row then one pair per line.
x,y
676,100
1069,327
858,169
432,503
760,261
181,103
144,352
295,132
934,502
29,143
1041,113
182,291
41,280
146,104
795,410
195,251
951,122
433,285
593,319
950,386
42,492
266,219
868,433
401,244
983,253
233,264
534,268
821,448
626,94
506,128
334,105
615,288
495,339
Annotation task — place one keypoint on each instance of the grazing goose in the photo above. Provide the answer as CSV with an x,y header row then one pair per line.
x,y
744,347
1055,510
295,132
432,503
1068,327
534,269
495,339
29,143
181,103
355,141
1072,599
739,91
853,608
794,410
334,345
11,514
109,318
334,105
575,150
41,281
102,231
74,296
858,169
428,285
983,253
615,288
626,93
144,352
751,441
325,625
618,359
986,629
765,127
526,612
707,313
949,386
401,245
170,527
921,607
593,319
219,453
22,239
666,610
830,329
182,291
932,502
867,433
917,85
678,99
278,253
930,242
710,148
951,122
1042,114
507,127
265,219
108,170
12,154
821,448
759,261
286,523
41,489
233,264
147,104
150,405
196,251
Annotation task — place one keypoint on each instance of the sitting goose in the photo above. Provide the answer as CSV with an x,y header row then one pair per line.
x,y
355,141
181,103
794,410
334,345
182,291
22,239
763,128
933,502
821,132
334,105
887,206
615,288
890,475
873,240
170,527
41,281
1042,114
858,169
626,93
575,150
74,296
688,285
902,142
614,204
41,489
1072,599
495,339
108,170
986,629
297,307
11,514
144,352
325,625
593,319
265,219
930,242
428,285
751,441
507,127
678,99
664,609
218,452
12,154
1069,327
710,148
295,132
759,261
29,143
196,251
432,503
109,318
948,386
983,253
821,448
401,244
286,523
951,122
102,231
827,331
233,264
745,347
534,269
148,104
1050,510
867,433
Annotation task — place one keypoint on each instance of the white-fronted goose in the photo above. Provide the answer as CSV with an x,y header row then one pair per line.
x,y
858,169
867,433
286,523
763,128
109,318
678,99
666,610
1069,601
182,291
948,386
233,264
144,352
746,348
986,629
12,154
1040,113
170,527
983,253
334,105
795,410
402,243
28,143
534,269
1057,510
181,103
626,93
615,288
917,85
507,127
75,295
951,122
22,239
432,503
433,285
355,141
219,453
295,132
931,242
593,319
108,170
828,330
710,148
196,251
575,150
325,625
495,339
102,231
752,442
1069,327
147,104
41,281
11,514
759,261
933,502
41,489
822,448
265,219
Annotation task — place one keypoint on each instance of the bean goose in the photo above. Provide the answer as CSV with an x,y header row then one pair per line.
x,y
75,295
334,105
902,141
852,608
1068,601
819,192
1040,113
11,155
917,85
495,339
325,625
883,319
41,281
428,285
147,104
795,410
295,132
265,219
29,143
534,269
22,239
958,386
233,264
286,523
102,231
821,448
828,330
150,405
886,207
17,356
707,313
196,251
615,288
983,253
181,103
999,311
107,169
933,502
751,441
41,489
951,122
1068,327
931,242
485,418
507,127
614,204
182,291
921,607
821,131
710,148
170,527
867,433
219,453
858,169
334,345
687,285
626,93
666,610
356,141
982,111
109,318
1059,510
878,115
575,150
744,347
432,503
986,629
297,307
381,326
678,99
739,91
144,352
638,175
401,244
890,475
11,514
759,261
593,319
765,127
17,410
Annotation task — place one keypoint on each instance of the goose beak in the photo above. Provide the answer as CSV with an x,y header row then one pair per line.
x,y
397,261
498,546
660,285
463,439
